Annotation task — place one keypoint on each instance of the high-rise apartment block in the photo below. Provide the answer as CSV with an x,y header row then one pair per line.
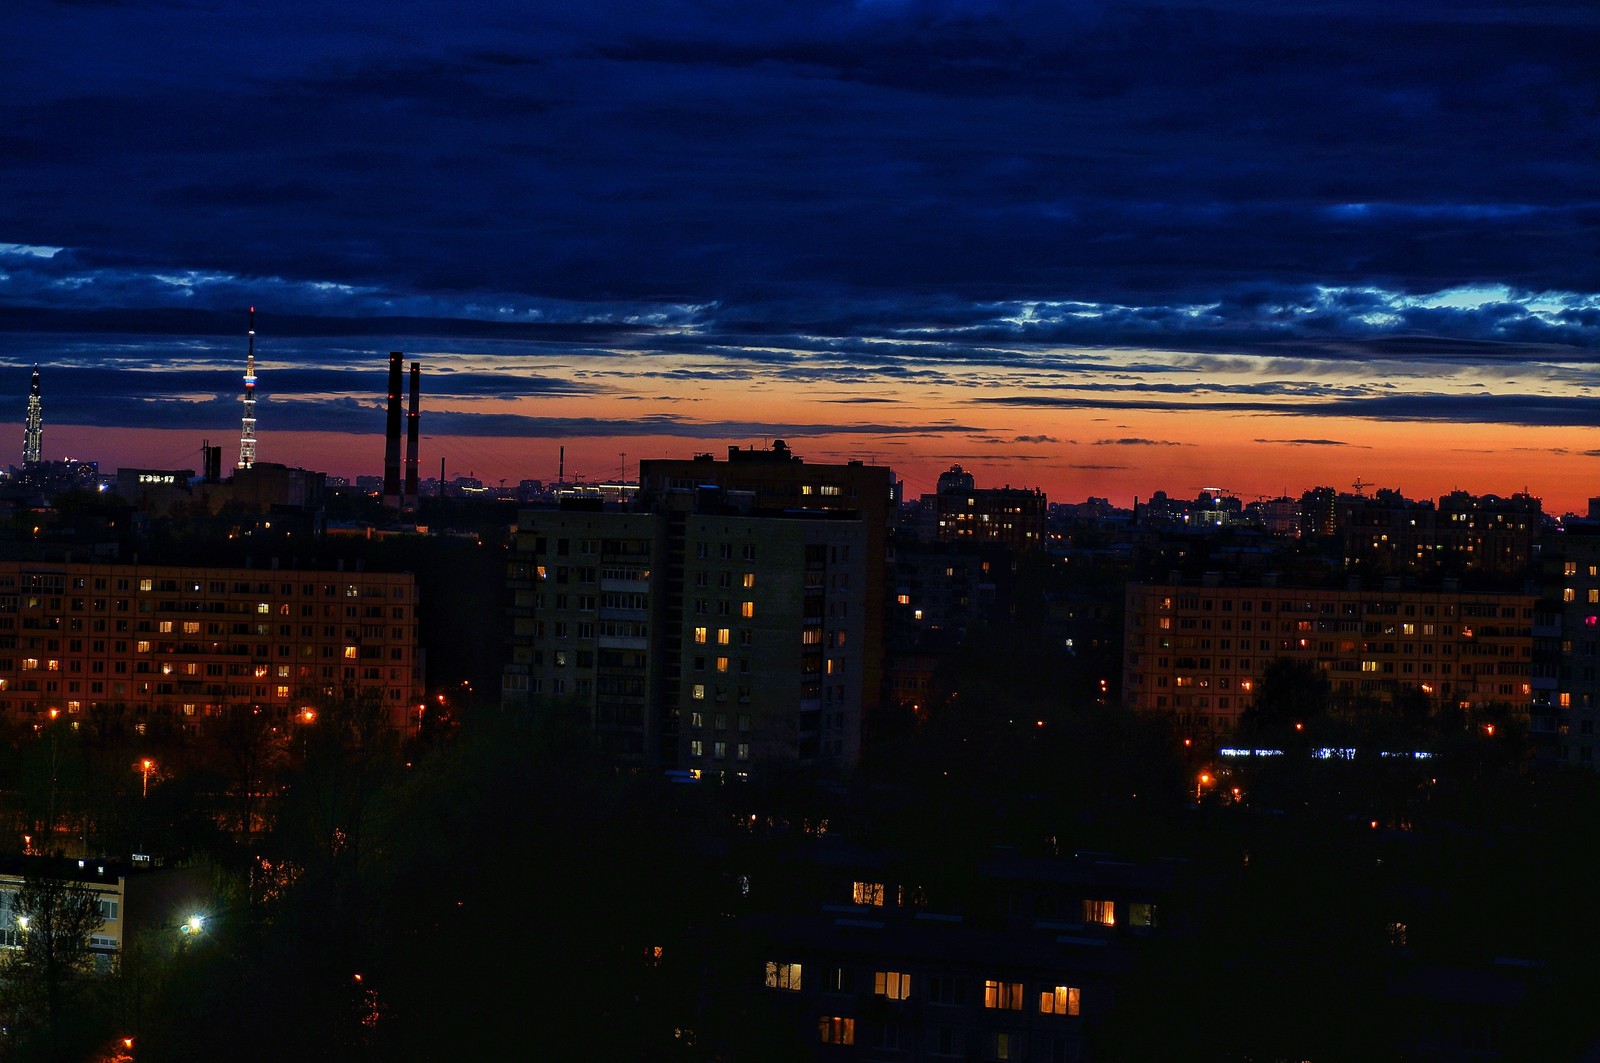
x,y
1570,683
1197,652
179,644
703,641
726,622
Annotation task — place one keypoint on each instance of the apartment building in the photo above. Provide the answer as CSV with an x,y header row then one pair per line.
x,y
181,643
1197,651
1568,676
131,896
703,638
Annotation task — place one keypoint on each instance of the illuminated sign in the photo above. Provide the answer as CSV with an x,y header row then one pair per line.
x,y
157,478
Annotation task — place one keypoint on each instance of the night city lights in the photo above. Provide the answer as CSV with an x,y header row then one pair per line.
x,y
891,530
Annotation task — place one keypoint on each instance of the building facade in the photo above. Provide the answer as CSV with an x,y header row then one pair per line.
x,y
179,644
700,638
1196,652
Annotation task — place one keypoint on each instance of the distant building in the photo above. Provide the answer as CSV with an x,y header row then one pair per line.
x,y
170,646
1010,516
43,480
1464,534
1197,652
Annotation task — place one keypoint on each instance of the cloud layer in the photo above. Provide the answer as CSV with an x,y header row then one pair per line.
x,y
1339,210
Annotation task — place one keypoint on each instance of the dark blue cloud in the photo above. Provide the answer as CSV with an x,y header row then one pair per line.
x,y
844,193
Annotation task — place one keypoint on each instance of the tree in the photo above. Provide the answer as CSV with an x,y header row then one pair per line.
x,y
53,916
1290,692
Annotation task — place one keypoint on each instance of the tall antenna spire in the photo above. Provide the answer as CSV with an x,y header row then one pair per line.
x,y
31,443
247,434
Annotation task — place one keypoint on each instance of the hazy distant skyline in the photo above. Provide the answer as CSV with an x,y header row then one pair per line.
x,y
1097,248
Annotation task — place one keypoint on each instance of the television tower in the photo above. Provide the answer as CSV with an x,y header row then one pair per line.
x,y
247,435
32,441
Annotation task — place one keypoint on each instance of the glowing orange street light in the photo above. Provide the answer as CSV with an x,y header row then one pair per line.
x,y
144,768
1204,781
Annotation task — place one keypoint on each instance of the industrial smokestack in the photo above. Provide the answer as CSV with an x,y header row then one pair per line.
x,y
391,437
561,473
411,436
211,461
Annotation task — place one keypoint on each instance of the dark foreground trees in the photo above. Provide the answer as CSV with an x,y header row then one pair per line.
x,y
42,980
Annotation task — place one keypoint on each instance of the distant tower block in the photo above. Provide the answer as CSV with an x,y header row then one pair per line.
x,y
247,433
391,435
34,440
411,436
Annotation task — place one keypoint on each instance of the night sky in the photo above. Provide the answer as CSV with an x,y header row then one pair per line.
x,y
1098,248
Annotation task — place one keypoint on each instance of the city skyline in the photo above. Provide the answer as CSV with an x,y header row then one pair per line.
x,y
1093,249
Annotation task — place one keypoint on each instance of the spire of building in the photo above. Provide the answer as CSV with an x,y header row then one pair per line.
x,y
247,434
32,443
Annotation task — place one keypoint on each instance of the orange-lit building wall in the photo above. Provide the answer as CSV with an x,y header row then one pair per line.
x,y
186,643
1197,652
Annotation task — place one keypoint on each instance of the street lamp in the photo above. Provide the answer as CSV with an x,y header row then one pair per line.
x,y
144,769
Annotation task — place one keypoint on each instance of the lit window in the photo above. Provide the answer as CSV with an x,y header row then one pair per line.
x,y
783,976
742,751
697,748
283,692
1062,1000
263,607
191,627
350,653
700,634
1568,594
188,708
1102,912
895,985
747,609
1141,914
902,599
698,692
722,664
867,893
144,584
837,1030
723,636
1004,995
749,579
141,646
166,627
697,719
